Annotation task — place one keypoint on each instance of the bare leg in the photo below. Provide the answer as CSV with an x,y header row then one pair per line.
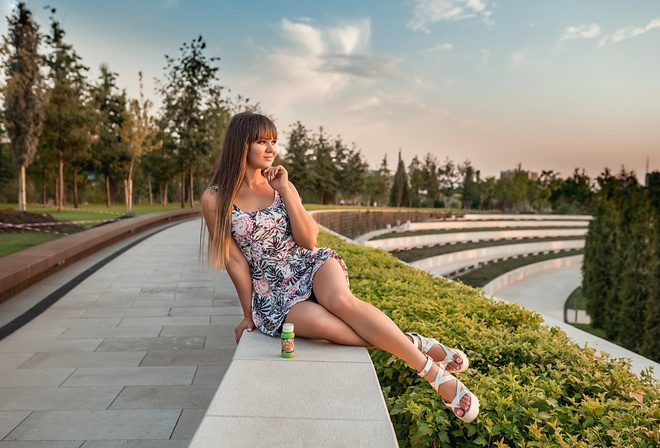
x,y
313,321
373,325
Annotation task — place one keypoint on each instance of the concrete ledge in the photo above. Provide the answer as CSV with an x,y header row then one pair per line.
x,y
458,262
328,395
22,269
509,278
438,239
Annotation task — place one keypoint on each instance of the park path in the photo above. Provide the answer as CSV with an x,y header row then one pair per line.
x,y
130,357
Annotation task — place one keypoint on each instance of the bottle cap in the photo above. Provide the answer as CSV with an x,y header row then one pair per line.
x,y
287,328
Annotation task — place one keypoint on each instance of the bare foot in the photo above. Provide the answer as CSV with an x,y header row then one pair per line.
x,y
438,354
447,391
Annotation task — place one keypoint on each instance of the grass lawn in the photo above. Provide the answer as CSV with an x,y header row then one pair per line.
x,y
591,330
17,241
12,242
480,277
577,300
426,252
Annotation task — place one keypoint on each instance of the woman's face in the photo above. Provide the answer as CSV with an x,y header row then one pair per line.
x,y
261,154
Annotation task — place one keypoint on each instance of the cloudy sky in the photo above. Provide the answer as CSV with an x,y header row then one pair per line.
x,y
557,85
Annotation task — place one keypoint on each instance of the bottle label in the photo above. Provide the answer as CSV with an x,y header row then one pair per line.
x,y
287,345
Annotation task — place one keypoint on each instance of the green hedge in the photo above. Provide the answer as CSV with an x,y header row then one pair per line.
x,y
536,387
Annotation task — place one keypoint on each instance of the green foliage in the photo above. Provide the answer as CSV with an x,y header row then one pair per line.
x,y
536,387
620,270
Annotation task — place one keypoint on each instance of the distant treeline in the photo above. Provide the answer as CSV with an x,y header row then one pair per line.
x,y
621,270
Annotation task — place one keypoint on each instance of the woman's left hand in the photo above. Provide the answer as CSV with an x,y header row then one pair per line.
x,y
277,177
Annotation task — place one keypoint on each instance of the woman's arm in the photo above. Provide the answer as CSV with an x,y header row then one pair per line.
x,y
304,228
237,266
239,272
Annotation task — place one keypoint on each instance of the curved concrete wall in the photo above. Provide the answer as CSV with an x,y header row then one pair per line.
x,y
460,224
449,263
411,242
508,279
529,216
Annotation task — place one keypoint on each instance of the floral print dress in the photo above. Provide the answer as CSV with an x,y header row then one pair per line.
x,y
282,272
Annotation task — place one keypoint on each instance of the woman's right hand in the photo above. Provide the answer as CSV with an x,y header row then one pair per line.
x,y
246,324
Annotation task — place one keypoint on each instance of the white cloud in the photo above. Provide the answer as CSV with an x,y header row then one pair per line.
x,y
318,65
439,47
426,12
629,32
586,31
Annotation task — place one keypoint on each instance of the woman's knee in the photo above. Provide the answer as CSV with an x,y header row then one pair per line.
x,y
340,303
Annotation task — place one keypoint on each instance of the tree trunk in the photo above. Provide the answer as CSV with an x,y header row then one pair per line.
x,y
128,194
151,193
107,190
60,202
192,188
44,197
183,189
75,187
22,203
165,194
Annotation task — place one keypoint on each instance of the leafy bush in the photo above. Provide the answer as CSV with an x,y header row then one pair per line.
x,y
536,387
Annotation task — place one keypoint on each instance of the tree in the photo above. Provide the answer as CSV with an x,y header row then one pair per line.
x,y
470,188
430,173
297,158
351,170
377,184
24,105
323,167
189,89
140,133
67,120
417,184
399,193
109,150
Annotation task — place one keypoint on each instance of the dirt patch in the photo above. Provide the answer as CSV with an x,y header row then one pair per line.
x,y
40,221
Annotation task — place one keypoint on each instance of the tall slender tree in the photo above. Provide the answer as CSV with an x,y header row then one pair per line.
x,y
140,133
399,192
24,106
190,85
68,117
109,151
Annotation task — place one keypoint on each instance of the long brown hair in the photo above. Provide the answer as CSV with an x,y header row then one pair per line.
x,y
244,129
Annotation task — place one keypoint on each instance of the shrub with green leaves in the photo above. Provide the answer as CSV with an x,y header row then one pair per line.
x,y
536,387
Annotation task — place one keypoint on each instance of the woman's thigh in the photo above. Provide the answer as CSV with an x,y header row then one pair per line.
x,y
330,283
311,320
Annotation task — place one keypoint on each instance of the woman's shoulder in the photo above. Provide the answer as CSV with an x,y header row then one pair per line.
x,y
210,197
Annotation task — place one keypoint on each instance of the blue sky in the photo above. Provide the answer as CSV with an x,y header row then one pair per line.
x,y
549,85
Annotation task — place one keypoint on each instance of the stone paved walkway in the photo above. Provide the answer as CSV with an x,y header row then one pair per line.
x,y
130,357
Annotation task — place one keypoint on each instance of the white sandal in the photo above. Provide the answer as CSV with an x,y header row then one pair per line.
x,y
468,416
425,344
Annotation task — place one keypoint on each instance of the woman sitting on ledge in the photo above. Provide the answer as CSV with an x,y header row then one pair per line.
x,y
261,234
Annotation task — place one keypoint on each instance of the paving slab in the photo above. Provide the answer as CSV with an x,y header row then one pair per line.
x,y
108,332
159,343
32,377
42,444
164,397
10,420
57,398
130,376
188,357
84,359
134,444
106,424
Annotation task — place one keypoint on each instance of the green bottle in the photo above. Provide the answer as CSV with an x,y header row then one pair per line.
x,y
288,346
